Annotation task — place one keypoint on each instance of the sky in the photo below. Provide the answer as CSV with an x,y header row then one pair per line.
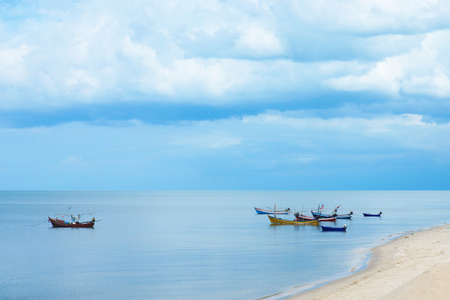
x,y
225,95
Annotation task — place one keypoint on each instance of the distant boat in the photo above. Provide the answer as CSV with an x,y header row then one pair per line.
x,y
278,221
327,228
321,216
372,215
344,216
318,214
62,223
302,217
273,211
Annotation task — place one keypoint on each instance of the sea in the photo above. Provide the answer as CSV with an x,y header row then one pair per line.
x,y
194,244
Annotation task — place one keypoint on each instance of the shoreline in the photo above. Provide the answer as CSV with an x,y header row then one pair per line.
x,y
414,265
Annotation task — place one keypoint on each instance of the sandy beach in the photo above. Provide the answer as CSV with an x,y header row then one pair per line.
x,y
412,266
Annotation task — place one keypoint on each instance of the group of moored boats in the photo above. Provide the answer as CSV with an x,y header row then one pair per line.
x,y
317,216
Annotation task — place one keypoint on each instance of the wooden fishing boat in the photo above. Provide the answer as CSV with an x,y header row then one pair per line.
x,y
318,214
322,216
62,223
327,228
302,217
278,221
273,211
332,219
372,215
344,216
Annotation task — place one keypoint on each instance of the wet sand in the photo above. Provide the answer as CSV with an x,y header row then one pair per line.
x,y
412,266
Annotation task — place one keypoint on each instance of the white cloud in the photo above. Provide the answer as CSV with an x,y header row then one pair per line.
x,y
255,41
424,70
182,78
373,16
13,67
384,76
98,52
84,83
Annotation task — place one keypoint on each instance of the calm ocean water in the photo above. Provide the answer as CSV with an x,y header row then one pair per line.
x,y
193,245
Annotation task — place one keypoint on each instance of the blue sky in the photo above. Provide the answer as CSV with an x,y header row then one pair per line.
x,y
239,95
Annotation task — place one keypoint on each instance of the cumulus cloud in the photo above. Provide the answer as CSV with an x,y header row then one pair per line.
x,y
258,42
374,16
424,70
13,67
216,53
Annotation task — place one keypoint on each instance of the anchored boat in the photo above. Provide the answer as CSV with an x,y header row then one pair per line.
x,y
273,211
62,223
318,214
372,215
327,228
302,217
278,221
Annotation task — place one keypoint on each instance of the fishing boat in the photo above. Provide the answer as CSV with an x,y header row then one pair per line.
x,y
273,211
318,214
344,216
302,217
77,224
372,215
330,219
328,228
278,221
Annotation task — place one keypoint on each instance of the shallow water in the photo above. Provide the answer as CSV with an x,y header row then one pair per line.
x,y
193,245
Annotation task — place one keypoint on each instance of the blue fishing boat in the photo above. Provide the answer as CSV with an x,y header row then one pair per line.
x,y
328,228
372,215
319,214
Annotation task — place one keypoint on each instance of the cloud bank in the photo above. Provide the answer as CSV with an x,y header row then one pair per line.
x,y
218,53
268,151
224,94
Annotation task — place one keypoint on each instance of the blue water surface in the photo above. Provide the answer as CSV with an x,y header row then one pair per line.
x,y
193,244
